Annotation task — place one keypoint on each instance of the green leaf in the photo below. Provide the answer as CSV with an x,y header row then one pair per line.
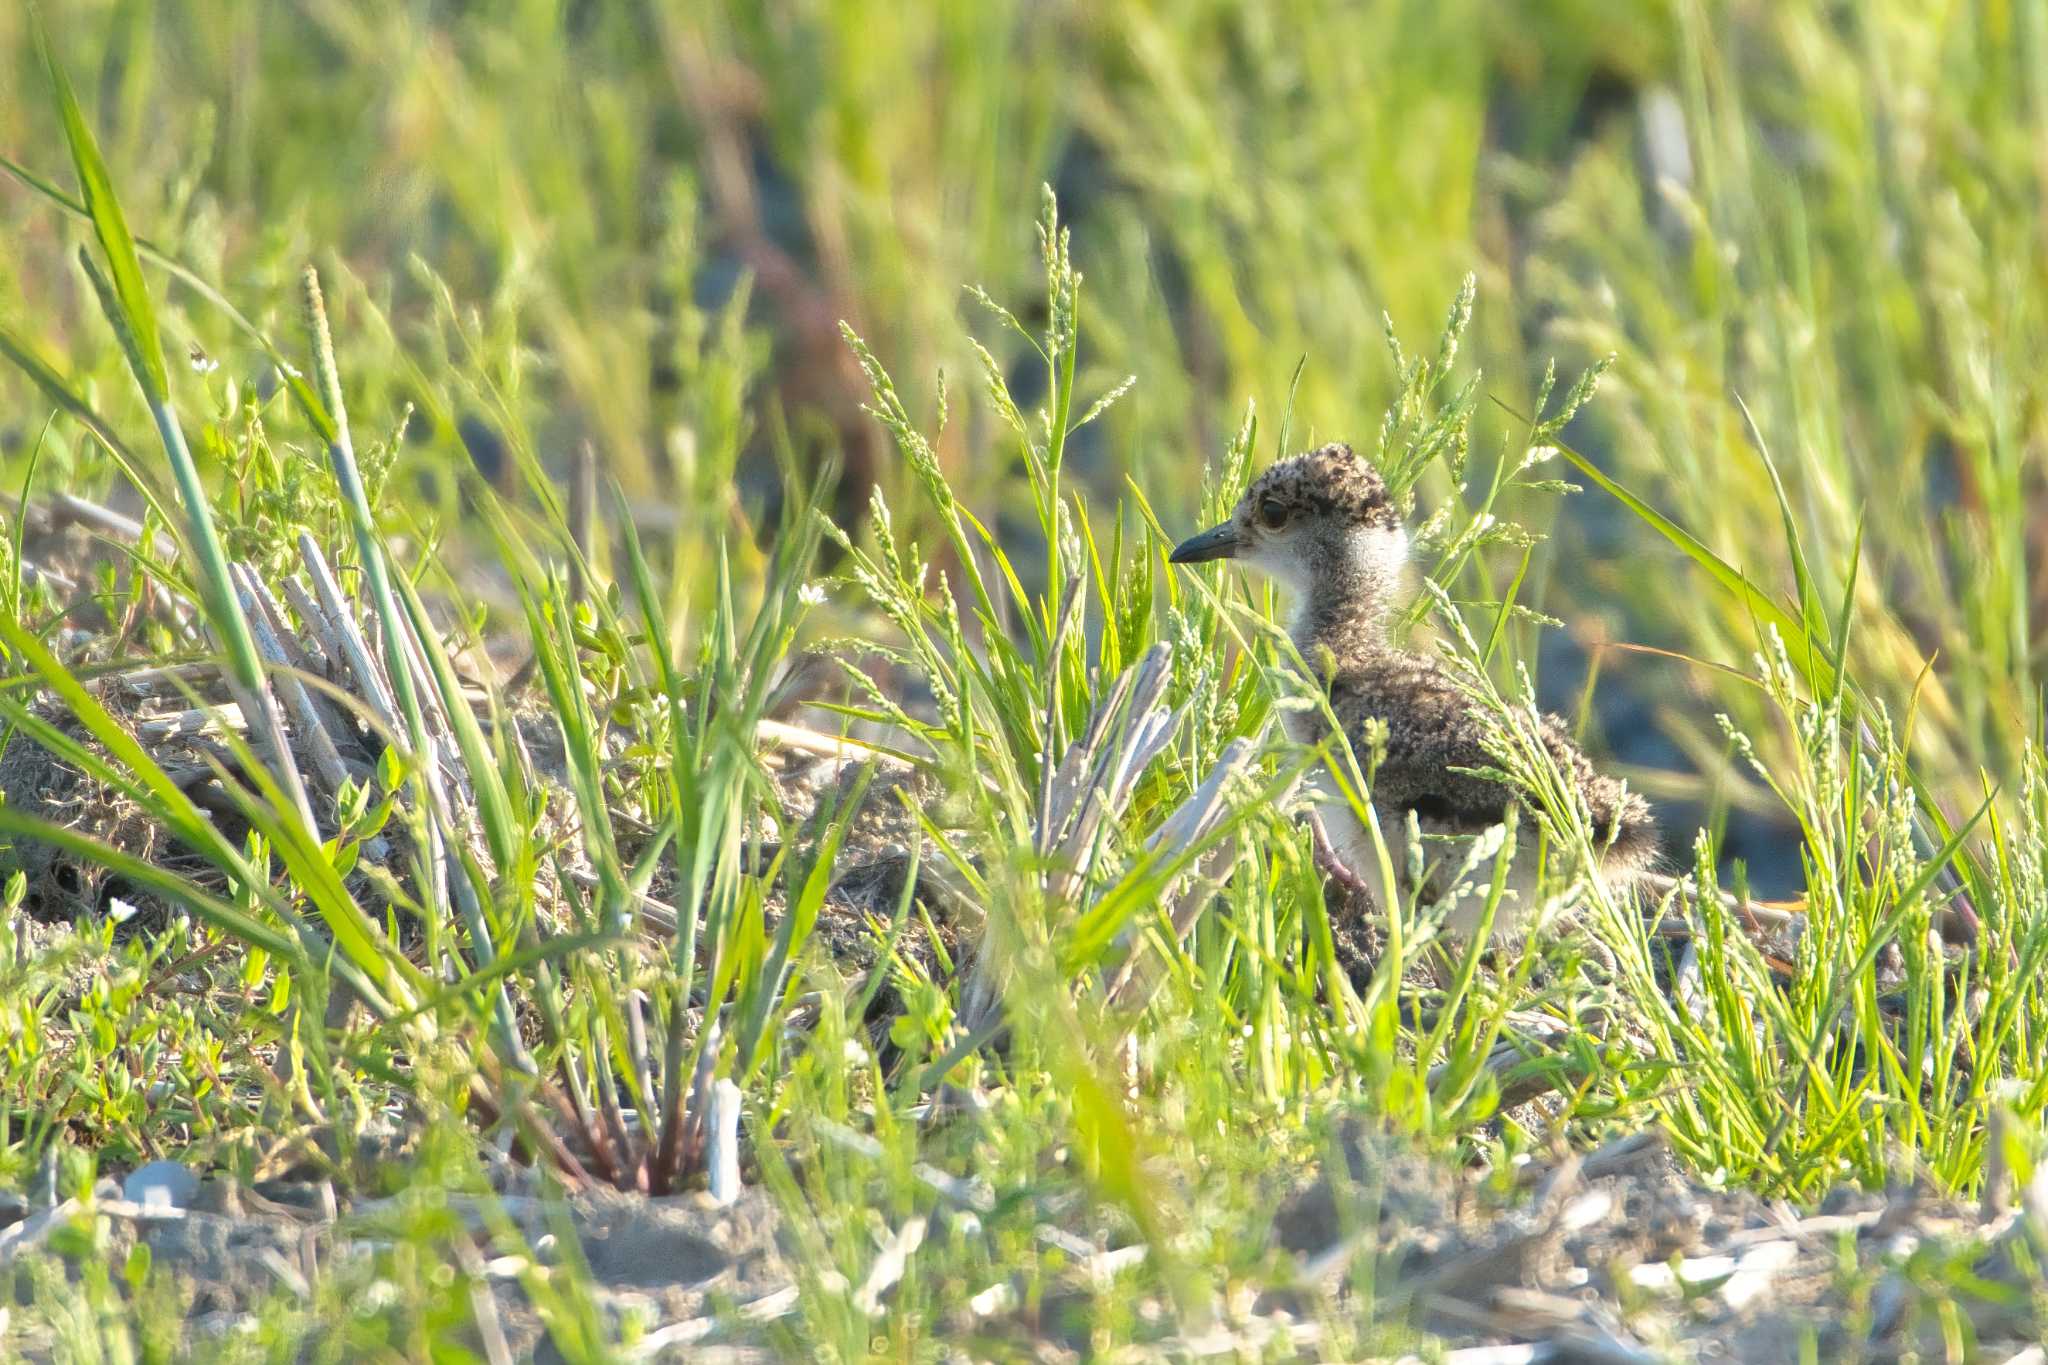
x,y
1798,641
145,350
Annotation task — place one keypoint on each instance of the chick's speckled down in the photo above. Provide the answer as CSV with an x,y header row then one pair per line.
x,y
1434,739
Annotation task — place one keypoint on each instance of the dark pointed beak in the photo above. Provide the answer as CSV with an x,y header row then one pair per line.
x,y
1218,542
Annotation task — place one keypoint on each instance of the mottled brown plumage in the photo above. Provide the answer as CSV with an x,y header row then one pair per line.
x,y
1324,525
1432,732
1329,483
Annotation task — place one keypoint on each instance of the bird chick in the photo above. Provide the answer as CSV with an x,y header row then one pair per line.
x,y
1325,527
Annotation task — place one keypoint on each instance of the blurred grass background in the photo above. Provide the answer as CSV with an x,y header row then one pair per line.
x,y
1802,228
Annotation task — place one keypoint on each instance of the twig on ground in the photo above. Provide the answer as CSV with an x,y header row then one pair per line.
x,y
372,686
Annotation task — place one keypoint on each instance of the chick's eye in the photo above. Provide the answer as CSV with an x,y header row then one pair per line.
x,y
1272,515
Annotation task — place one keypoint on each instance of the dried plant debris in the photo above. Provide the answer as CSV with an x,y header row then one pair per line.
x,y
335,696
1618,1255
891,907
61,886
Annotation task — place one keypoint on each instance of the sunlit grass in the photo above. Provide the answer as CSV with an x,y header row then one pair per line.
x,y
722,249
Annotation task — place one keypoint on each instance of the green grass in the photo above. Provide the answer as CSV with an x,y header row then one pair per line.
x,y
729,253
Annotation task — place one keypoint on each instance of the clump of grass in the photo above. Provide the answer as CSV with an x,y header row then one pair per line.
x,y
1159,1015
473,804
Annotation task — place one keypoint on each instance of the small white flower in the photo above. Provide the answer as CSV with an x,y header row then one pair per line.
x,y
202,363
121,911
811,594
